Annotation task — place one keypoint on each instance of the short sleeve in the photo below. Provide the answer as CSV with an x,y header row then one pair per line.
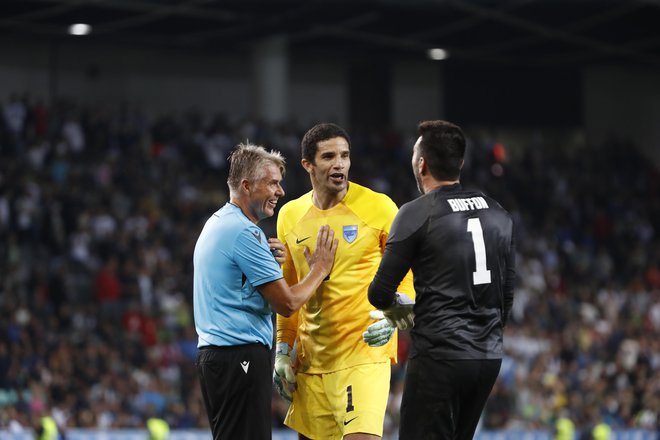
x,y
254,258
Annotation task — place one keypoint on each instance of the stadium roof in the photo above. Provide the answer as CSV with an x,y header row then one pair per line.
x,y
511,32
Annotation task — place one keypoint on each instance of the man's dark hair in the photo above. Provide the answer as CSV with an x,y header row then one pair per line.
x,y
319,133
443,148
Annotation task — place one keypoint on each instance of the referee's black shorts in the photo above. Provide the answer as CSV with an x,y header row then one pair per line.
x,y
237,388
443,399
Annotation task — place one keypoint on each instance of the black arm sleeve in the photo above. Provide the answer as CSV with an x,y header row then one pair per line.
x,y
392,269
405,234
509,281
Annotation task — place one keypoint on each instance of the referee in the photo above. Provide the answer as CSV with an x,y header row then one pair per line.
x,y
460,247
237,283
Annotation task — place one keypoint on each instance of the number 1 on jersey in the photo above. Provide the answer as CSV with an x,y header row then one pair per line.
x,y
482,274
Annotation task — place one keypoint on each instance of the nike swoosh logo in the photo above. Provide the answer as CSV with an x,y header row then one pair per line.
x,y
300,240
346,422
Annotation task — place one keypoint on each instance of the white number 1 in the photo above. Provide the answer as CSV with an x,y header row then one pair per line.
x,y
481,275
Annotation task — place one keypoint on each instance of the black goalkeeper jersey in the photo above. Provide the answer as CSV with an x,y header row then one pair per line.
x,y
460,246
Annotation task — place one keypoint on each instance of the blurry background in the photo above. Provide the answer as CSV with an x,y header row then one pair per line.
x,y
113,150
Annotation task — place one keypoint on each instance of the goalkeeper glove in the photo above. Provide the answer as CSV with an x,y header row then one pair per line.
x,y
378,333
401,314
283,375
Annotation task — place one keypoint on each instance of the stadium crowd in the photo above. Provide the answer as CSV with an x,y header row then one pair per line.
x,y
100,208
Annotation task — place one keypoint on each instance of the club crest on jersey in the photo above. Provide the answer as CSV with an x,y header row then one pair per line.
x,y
350,233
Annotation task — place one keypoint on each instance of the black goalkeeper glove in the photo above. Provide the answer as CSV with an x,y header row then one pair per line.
x,y
401,314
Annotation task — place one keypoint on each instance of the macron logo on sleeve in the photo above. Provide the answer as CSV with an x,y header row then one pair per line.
x,y
257,235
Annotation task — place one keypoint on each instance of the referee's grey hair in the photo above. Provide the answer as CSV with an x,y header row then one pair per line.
x,y
249,162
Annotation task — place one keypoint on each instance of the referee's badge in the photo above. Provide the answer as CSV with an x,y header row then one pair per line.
x,y
350,233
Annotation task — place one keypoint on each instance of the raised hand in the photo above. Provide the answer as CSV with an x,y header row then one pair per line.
x,y
326,248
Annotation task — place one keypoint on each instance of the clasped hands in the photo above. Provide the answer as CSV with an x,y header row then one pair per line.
x,y
400,316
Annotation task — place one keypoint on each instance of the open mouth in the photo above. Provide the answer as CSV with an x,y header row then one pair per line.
x,y
272,203
337,178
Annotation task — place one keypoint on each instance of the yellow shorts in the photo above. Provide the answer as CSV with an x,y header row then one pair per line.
x,y
331,405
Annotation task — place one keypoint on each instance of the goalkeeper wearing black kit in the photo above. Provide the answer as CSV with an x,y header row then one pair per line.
x,y
460,247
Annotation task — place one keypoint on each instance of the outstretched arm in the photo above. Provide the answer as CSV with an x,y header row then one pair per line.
x,y
286,300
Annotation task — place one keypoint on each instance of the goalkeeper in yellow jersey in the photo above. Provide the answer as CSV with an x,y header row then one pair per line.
x,y
337,382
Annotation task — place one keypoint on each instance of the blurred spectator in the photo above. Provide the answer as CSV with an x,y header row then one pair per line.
x,y
99,212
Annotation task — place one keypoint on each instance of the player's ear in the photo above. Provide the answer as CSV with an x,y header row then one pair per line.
x,y
421,166
307,165
245,186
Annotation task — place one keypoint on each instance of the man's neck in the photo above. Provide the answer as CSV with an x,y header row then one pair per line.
x,y
433,184
326,200
244,207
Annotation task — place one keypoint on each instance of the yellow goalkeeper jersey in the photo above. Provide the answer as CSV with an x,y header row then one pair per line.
x,y
328,329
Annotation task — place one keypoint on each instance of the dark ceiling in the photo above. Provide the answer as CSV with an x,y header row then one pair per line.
x,y
514,32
